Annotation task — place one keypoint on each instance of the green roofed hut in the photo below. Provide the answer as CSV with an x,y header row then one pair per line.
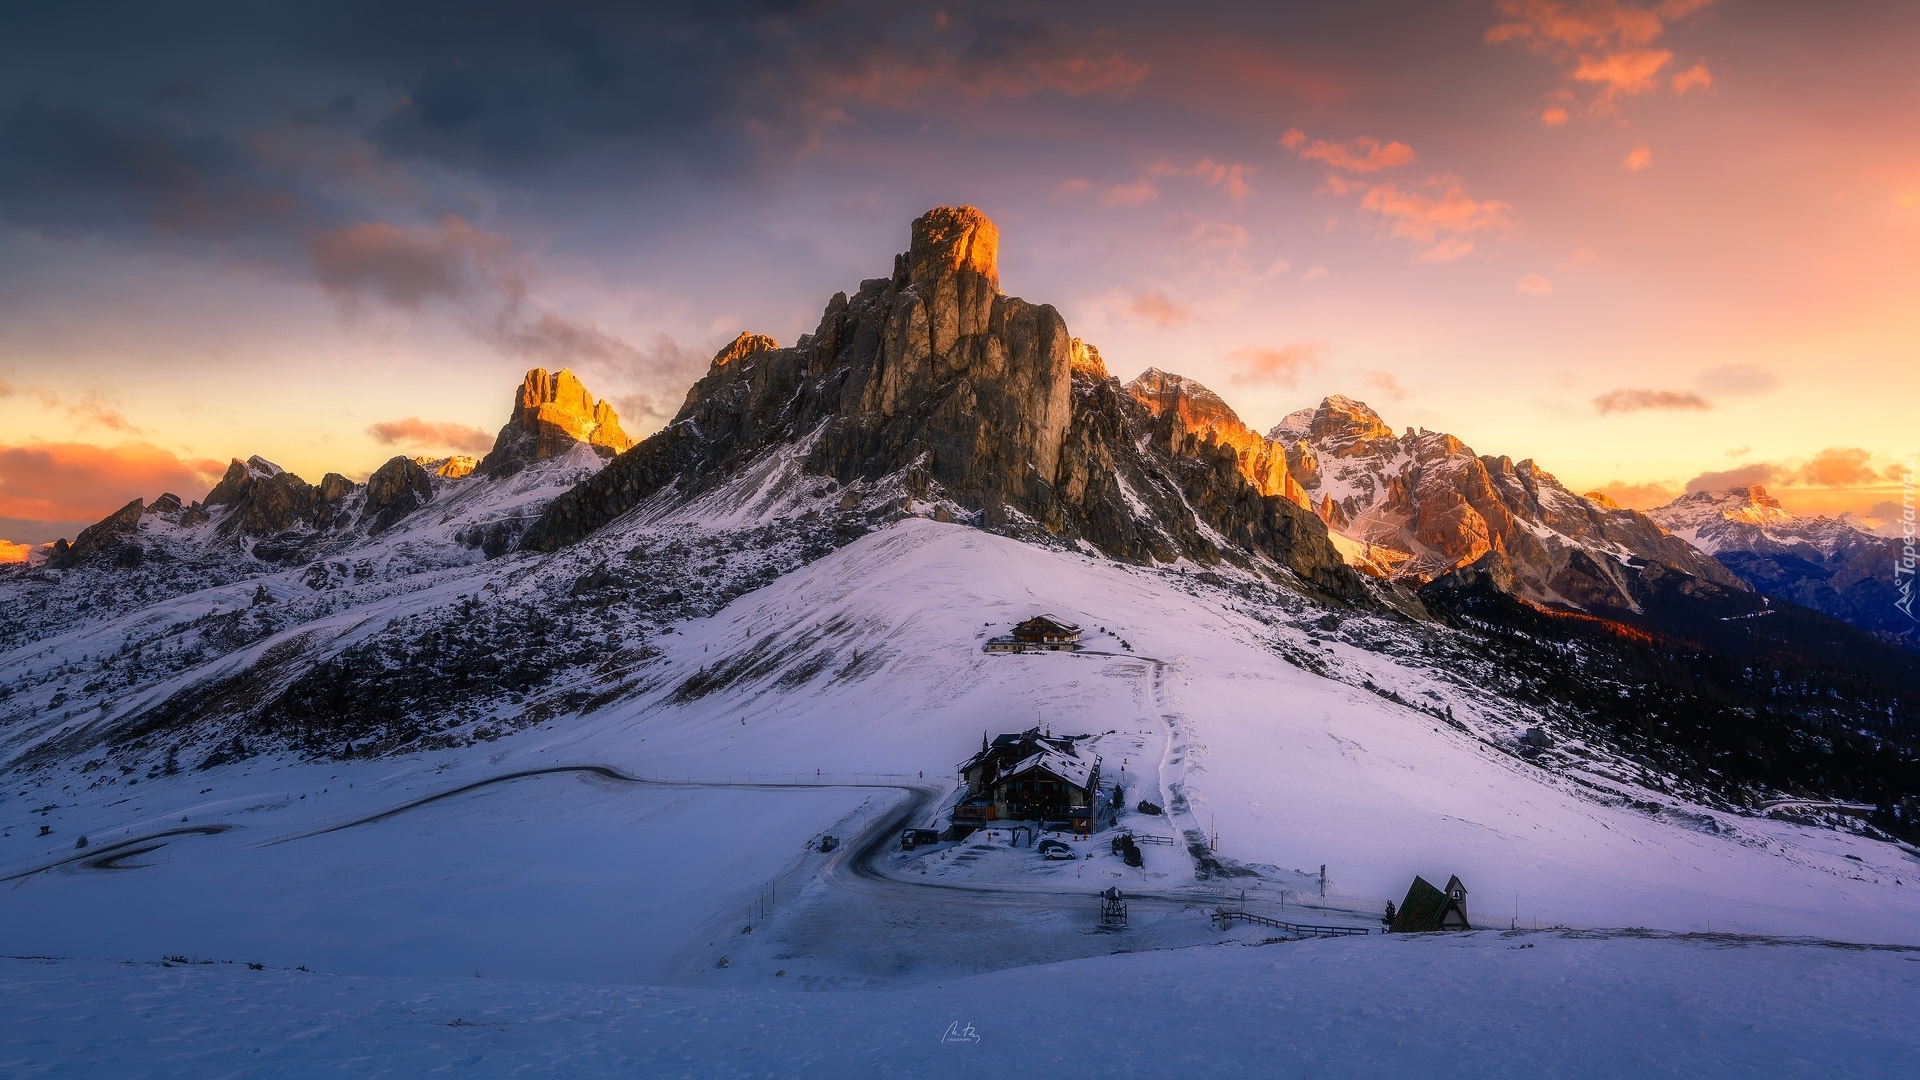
x,y
1427,908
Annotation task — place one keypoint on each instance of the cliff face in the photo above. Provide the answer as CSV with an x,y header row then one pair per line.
x,y
934,379
1197,410
1423,506
553,412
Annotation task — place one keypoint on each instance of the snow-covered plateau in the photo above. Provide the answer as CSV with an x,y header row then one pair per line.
x,y
574,897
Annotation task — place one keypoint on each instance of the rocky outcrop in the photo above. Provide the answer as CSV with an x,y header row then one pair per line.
x,y
1198,411
261,498
1422,506
552,414
109,536
395,490
934,378
1831,565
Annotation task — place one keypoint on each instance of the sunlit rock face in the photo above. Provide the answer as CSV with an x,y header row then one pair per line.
x,y
552,413
1198,413
933,380
1422,506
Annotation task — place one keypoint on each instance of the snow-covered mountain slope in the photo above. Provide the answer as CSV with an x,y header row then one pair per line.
x,y
1419,506
812,704
1831,565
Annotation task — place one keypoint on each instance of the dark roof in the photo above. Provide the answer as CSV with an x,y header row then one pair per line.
x,y
1045,623
1020,744
1425,907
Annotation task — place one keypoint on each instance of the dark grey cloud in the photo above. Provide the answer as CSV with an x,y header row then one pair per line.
x,y
67,169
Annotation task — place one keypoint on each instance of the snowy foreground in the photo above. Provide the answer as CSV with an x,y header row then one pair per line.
x,y
575,899
1487,1004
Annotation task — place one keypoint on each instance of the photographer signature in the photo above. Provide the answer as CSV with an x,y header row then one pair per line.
x,y
958,1034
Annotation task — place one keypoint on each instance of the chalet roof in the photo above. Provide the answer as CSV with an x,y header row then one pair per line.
x,y
1048,622
1424,907
1077,771
1019,743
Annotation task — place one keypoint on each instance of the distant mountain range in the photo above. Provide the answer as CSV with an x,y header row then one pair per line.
x,y
1832,565
447,601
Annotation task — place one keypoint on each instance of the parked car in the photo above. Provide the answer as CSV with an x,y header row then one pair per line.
x,y
1055,849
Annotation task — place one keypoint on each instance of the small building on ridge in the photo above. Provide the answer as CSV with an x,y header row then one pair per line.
x,y
1040,632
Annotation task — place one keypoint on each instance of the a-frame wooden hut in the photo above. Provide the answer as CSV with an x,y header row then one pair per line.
x,y
1427,908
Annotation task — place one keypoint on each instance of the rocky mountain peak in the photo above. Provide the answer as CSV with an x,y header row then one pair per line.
x,y
932,385
551,414
951,240
1423,507
1342,424
745,345
1203,413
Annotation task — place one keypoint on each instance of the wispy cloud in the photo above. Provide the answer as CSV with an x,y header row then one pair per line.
x,y
1437,214
1154,307
431,435
1836,467
1280,366
1362,154
1637,159
1386,384
1630,400
1640,496
1534,285
1737,380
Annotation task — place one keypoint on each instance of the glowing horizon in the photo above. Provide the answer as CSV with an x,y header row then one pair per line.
x,y
1653,246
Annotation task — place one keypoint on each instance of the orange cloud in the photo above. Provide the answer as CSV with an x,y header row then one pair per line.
x,y
1071,189
428,435
1284,365
1635,71
1154,306
1744,476
1553,116
1602,43
1840,466
1640,496
1534,285
1364,154
1638,158
11,552
1695,76
1438,214
55,484
1546,25
1628,400
1837,468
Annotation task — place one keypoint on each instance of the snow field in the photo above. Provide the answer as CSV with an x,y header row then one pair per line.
x,y
1478,1005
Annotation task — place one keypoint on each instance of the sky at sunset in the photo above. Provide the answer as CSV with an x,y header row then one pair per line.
x,y
1654,246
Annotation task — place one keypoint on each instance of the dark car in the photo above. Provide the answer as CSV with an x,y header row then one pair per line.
x,y
1055,849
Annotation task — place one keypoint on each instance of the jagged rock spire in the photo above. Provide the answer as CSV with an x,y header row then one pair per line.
x,y
552,412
